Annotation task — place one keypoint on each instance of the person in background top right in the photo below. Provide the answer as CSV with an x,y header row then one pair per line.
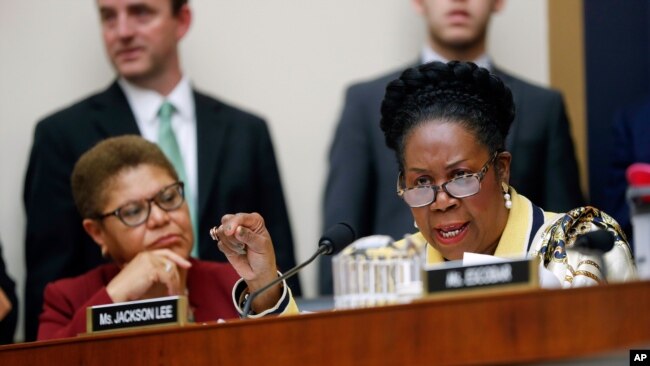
x,y
631,132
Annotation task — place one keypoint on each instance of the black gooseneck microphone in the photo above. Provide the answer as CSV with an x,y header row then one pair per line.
x,y
333,240
601,240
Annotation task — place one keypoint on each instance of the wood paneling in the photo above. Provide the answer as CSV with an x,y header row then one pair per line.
x,y
566,53
522,327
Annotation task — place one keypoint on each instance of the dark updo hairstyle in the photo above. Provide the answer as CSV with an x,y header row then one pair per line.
x,y
458,92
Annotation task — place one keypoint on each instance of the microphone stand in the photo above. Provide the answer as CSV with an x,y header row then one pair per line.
x,y
322,249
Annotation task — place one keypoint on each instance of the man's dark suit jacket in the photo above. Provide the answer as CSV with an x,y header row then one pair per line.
x,y
361,182
237,172
209,287
631,130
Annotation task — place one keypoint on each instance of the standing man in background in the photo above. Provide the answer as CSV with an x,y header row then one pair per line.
x,y
360,186
224,155
631,133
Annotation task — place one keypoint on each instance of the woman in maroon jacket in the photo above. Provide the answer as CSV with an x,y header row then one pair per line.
x,y
133,207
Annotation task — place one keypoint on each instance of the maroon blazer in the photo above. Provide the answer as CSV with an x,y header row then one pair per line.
x,y
209,285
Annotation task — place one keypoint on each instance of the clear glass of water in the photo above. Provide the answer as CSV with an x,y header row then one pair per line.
x,y
376,271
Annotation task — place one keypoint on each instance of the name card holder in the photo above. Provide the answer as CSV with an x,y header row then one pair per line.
x,y
453,278
162,311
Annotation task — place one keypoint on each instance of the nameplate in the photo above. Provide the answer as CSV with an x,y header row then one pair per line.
x,y
455,278
171,310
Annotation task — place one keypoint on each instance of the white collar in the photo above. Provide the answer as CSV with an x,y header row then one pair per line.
x,y
145,103
429,55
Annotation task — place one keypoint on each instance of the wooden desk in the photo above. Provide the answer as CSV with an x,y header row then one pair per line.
x,y
523,327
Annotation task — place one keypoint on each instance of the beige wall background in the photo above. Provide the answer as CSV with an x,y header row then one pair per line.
x,y
286,60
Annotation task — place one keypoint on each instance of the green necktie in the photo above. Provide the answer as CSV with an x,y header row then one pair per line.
x,y
168,144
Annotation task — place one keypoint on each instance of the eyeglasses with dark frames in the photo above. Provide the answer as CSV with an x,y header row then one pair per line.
x,y
135,213
459,187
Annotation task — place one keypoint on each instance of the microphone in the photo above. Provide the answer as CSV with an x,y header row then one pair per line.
x,y
601,240
333,241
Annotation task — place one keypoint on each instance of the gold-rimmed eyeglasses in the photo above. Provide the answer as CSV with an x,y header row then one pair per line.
x,y
459,187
